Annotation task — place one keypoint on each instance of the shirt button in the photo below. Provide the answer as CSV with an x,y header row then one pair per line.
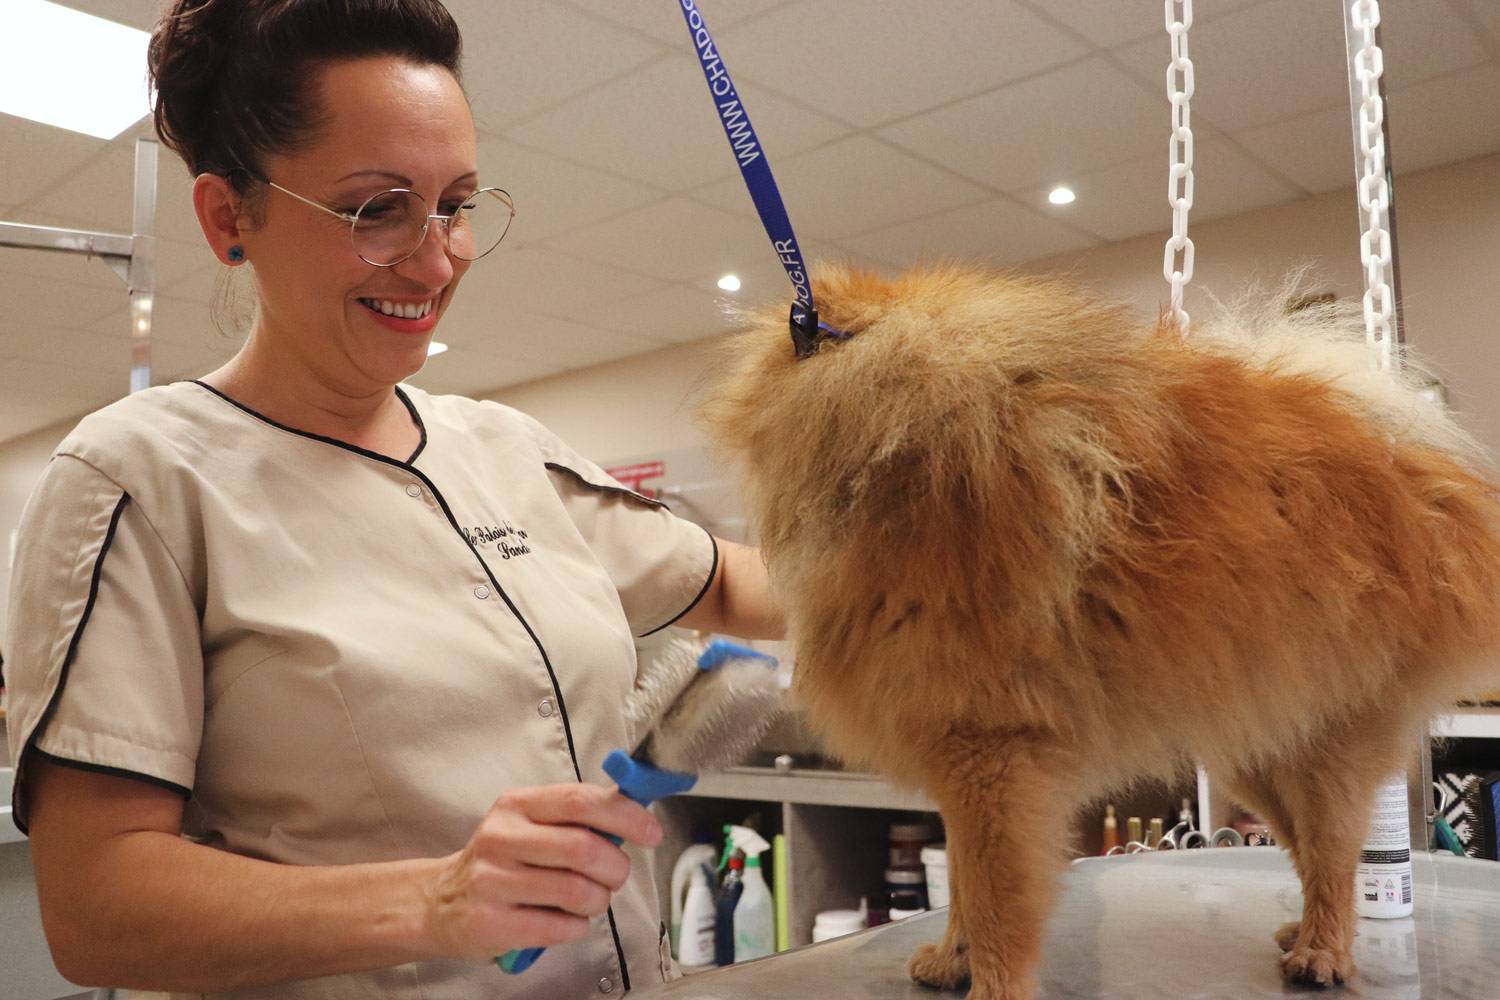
x,y
481,592
605,985
544,709
413,490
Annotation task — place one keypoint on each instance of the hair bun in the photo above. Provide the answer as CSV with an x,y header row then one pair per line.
x,y
187,57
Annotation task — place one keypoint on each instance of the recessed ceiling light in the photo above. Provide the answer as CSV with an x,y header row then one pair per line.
x,y
730,282
1061,195
435,347
73,70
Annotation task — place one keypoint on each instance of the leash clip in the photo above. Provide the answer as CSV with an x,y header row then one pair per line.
x,y
803,322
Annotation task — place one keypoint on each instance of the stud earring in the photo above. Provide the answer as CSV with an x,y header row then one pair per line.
x,y
236,254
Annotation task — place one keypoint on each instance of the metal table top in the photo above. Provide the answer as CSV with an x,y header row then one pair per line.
x,y
1176,924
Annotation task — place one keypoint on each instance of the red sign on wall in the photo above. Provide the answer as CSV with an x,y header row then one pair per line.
x,y
631,476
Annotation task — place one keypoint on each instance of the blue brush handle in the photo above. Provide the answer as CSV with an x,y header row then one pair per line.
x,y
641,783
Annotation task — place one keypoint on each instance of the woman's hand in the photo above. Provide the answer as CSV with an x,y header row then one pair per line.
x,y
534,873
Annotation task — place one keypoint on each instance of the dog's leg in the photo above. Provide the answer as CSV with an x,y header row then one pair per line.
x,y
1002,794
1255,790
946,964
1329,791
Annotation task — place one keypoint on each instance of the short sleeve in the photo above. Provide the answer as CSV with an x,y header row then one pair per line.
x,y
106,665
661,564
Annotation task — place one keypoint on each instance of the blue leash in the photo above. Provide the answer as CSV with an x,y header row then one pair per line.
x,y
805,326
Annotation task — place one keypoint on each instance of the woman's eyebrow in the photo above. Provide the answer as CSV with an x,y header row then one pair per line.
x,y
401,178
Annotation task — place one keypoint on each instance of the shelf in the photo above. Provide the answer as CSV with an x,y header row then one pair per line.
x,y
1482,723
807,787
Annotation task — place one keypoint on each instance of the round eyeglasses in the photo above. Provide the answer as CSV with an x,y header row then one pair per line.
x,y
390,226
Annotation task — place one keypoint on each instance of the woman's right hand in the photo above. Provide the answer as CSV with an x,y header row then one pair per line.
x,y
534,872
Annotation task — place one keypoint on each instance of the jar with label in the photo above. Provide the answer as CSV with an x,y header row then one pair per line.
x,y
907,841
913,880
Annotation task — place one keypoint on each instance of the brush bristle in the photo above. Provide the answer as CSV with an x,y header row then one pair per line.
x,y
660,681
718,720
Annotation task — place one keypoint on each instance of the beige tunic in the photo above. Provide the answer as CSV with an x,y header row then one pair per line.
x,y
340,657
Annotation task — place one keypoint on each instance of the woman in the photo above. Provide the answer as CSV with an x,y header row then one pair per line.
x,y
317,622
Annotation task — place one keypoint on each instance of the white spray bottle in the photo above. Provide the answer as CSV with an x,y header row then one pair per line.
x,y
695,947
692,859
755,915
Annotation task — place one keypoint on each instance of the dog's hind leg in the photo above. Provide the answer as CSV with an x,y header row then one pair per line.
x,y
1001,794
1329,791
946,964
1255,790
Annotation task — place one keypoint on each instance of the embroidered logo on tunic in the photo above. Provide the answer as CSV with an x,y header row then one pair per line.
x,y
509,540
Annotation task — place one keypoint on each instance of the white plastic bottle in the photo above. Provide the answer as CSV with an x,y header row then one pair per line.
x,y
755,916
692,858
1383,878
695,948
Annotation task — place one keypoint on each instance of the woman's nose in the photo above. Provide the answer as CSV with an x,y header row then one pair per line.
x,y
430,263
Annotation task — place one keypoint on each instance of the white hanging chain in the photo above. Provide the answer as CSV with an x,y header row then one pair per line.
x,y
1180,158
1374,192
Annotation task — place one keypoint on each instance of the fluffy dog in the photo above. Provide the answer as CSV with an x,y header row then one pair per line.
x,y
1031,550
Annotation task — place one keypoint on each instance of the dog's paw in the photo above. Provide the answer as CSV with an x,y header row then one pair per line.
x,y
935,965
1317,966
1286,935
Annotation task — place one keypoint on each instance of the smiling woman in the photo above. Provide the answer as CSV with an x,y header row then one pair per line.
x,y
244,609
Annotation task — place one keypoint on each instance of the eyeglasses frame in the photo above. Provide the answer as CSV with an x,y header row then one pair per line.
x,y
447,220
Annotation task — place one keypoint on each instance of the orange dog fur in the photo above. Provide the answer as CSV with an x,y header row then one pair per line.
x,y
1032,551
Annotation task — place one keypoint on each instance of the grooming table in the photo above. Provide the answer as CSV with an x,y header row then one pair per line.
x,y
1175,924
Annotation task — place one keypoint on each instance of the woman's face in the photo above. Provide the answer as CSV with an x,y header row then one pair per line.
x,y
389,124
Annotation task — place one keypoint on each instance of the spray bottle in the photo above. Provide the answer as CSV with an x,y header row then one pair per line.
x,y
731,886
754,922
695,945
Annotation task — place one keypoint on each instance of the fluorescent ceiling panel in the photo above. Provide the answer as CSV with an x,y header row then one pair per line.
x,y
73,70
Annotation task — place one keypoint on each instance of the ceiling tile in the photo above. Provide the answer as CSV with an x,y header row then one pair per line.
x,y
1111,24
82,385
1315,150
101,197
1286,58
515,283
140,14
997,232
871,61
664,21
1487,13
673,240
658,126
1063,123
55,301
21,414
523,56
677,313
34,156
1450,118
552,195
60,345
850,186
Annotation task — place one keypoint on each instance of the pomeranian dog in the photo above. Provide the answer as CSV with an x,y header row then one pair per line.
x,y
1031,549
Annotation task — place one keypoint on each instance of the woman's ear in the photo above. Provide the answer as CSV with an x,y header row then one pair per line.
x,y
219,207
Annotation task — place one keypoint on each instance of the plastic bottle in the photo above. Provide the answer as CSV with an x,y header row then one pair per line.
x,y
753,926
730,891
755,916
1383,877
935,864
1111,831
696,947
700,853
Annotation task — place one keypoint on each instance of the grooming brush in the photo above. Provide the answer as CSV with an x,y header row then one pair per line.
x,y
685,727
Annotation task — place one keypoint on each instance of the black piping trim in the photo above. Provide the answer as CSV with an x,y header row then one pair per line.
x,y
632,494
713,571
453,522
17,812
119,772
367,453
417,417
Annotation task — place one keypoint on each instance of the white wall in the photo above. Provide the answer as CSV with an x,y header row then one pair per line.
x,y
1449,244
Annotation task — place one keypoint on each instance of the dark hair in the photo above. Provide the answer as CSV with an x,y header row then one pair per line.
x,y
233,77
